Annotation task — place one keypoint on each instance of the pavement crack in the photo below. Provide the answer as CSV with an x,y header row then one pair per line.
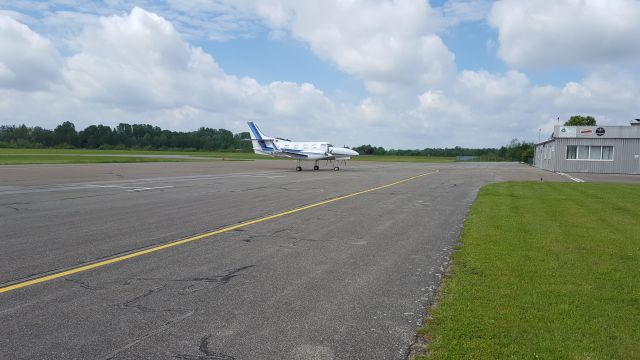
x,y
208,354
250,189
133,303
83,284
278,232
129,303
224,278
159,329
13,207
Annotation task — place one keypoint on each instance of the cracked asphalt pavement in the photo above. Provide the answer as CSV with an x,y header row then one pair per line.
x,y
345,280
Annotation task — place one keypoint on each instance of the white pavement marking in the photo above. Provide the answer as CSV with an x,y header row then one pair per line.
x,y
130,184
151,188
571,177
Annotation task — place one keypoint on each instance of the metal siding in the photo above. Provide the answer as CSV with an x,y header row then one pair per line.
x,y
624,160
544,158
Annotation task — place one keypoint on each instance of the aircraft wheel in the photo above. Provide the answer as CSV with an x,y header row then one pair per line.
x,y
298,168
316,167
336,168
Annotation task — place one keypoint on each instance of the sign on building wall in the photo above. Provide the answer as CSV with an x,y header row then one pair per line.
x,y
567,131
585,132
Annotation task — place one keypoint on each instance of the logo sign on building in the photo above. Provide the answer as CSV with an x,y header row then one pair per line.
x,y
567,131
600,131
586,132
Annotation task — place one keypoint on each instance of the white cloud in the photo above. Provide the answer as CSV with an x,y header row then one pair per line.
x,y
27,60
389,44
551,33
137,67
603,92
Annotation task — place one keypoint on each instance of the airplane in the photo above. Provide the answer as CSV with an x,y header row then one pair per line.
x,y
312,151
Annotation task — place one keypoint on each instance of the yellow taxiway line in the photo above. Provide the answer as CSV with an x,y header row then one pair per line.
x,y
193,238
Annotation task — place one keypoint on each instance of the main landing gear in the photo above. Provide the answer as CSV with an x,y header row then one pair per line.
x,y
316,167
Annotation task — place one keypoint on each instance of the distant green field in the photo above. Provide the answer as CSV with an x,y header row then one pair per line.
x,y
74,156
393,158
68,156
70,159
545,270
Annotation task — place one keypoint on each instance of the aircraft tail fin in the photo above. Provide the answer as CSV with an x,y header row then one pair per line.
x,y
262,144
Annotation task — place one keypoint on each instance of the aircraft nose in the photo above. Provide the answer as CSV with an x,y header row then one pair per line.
x,y
352,152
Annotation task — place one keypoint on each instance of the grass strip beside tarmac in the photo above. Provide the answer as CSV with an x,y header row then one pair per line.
x,y
9,156
545,270
80,159
83,156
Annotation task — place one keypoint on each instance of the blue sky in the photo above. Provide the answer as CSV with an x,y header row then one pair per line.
x,y
392,73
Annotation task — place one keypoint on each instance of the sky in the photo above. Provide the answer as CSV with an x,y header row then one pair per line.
x,y
402,74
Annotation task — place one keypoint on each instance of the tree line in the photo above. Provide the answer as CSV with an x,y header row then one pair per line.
x,y
516,150
123,136
148,137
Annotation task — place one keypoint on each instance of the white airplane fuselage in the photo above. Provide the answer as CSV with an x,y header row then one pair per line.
x,y
313,151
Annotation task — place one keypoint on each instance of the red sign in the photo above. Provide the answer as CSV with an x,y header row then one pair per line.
x,y
586,132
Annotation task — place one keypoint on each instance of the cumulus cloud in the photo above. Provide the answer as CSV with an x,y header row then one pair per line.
x,y
551,33
138,66
389,44
139,61
605,89
27,60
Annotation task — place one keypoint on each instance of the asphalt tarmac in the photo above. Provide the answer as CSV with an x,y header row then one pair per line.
x,y
347,279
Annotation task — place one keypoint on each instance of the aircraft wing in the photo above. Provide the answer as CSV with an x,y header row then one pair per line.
x,y
300,155
293,154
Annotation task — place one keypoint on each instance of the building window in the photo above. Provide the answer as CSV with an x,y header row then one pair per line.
x,y
584,152
595,153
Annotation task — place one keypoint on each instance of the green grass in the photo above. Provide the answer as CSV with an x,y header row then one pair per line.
x,y
394,158
545,270
64,159
77,156
64,156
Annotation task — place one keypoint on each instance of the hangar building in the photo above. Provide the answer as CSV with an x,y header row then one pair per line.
x,y
592,149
